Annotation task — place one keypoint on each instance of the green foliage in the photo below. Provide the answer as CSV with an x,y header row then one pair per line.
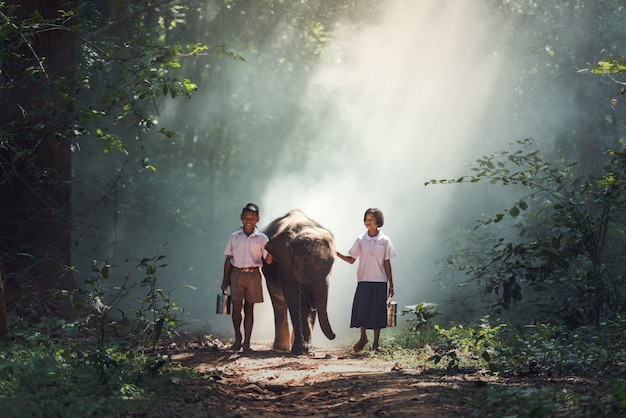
x,y
568,253
47,371
85,367
76,79
527,358
158,310
614,64
158,316
528,402
98,298
117,83
421,324
546,350
461,346
135,88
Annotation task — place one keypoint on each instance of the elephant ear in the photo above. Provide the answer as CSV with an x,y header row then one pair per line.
x,y
280,246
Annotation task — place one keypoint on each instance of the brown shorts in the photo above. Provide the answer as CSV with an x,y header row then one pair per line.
x,y
246,286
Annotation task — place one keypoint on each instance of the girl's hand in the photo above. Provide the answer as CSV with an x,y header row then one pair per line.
x,y
391,292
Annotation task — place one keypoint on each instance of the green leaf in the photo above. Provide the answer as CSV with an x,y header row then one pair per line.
x,y
614,64
189,86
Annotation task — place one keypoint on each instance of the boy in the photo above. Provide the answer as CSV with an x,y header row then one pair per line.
x,y
245,252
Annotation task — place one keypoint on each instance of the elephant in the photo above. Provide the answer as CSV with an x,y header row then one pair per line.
x,y
298,279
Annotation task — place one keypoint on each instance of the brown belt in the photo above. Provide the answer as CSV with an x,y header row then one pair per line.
x,y
247,269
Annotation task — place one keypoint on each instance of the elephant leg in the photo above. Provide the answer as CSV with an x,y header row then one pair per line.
x,y
308,323
311,322
282,340
302,318
296,336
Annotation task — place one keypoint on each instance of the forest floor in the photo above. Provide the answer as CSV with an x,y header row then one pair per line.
x,y
332,382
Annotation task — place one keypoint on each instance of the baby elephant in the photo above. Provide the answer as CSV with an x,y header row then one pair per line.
x,y
298,278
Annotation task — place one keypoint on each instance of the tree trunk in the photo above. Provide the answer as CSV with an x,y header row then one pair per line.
x,y
36,157
4,323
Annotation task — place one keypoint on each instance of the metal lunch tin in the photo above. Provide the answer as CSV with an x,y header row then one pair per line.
x,y
392,311
223,304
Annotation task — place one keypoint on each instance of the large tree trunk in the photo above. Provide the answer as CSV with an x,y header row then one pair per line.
x,y
35,208
4,322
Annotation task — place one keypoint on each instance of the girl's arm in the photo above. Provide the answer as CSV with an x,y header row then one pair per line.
x,y
346,258
387,266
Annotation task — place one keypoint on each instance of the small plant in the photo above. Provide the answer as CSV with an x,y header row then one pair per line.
x,y
469,346
157,313
99,298
157,309
421,323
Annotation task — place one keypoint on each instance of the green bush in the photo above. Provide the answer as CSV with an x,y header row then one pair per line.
x,y
62,375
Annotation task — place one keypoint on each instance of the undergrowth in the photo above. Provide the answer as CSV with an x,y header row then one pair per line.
x,y
51,371
590,359
97,365
59,368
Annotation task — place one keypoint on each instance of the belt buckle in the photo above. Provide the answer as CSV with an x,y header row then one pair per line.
x,y
247,269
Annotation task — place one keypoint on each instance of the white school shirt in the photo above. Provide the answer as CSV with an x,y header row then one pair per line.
x,y
372,252
246,250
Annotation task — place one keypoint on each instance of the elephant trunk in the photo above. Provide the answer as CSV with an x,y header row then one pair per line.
x,y
320,295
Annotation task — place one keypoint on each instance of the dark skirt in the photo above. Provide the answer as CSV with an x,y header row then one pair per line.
x,y
369,308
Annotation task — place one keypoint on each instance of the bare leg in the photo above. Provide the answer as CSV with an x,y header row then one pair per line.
x,y
248,322
237,305
362,341
376,336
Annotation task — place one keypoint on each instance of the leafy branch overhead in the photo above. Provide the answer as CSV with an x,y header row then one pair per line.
x,y
520,167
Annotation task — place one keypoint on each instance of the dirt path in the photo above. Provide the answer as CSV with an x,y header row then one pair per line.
x,y
330,383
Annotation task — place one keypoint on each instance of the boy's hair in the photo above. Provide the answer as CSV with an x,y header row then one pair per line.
x,y
378,214
250,207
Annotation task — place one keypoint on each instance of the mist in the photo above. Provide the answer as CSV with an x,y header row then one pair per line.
x,y
411,96
401,101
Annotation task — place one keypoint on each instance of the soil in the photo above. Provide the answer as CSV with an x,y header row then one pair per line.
x,y
332,382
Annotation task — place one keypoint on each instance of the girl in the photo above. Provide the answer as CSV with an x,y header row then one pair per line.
x,y
374,250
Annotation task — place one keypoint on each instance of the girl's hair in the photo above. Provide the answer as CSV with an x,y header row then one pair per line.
x,y
378,214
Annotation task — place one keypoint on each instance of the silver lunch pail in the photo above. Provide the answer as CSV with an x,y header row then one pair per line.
x,y
392,310
223,304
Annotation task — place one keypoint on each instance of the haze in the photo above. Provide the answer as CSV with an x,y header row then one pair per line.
x,y
410,97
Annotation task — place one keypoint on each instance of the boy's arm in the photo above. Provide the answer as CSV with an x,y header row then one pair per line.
x,y
228,268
